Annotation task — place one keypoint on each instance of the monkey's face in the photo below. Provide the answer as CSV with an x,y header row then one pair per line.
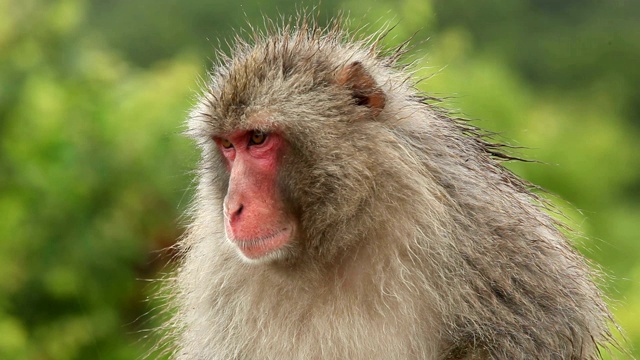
x,y
255,219
293,151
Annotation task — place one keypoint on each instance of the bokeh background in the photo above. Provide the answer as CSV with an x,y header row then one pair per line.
x,y
94,174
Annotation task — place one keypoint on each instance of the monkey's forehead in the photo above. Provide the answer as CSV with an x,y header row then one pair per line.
x,y
240,95
307,112
264,77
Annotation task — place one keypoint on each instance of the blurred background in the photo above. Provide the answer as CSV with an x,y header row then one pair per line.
x,y
94,174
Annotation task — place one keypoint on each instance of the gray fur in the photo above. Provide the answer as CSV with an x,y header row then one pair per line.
x,y
416,243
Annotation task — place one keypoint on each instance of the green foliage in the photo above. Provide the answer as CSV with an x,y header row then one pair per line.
x,y
93,171
94,175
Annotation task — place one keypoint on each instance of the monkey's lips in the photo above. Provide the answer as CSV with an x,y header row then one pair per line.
x,y
258,247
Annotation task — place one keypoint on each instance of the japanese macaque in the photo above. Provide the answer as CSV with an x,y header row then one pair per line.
x,y
340,214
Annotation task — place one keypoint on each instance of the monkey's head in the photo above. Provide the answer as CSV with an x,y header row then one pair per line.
x,y
290,130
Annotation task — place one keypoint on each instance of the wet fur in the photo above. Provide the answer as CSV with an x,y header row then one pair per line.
x,y
416,243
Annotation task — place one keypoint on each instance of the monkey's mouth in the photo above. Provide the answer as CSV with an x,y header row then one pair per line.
x,y
256,248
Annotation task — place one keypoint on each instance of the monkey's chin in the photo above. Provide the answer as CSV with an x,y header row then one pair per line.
x,y
265,248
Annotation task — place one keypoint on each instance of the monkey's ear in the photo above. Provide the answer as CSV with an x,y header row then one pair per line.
x,y
363,87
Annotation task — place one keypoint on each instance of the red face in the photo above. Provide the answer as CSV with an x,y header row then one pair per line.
x,y
255,220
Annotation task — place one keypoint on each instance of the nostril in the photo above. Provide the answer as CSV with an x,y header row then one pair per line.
x,y
234,214
231,211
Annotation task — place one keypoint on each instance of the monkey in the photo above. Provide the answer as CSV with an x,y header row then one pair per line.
x,y
341,213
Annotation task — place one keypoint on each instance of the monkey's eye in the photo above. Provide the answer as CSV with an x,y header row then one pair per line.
x,y
257,138
226,143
